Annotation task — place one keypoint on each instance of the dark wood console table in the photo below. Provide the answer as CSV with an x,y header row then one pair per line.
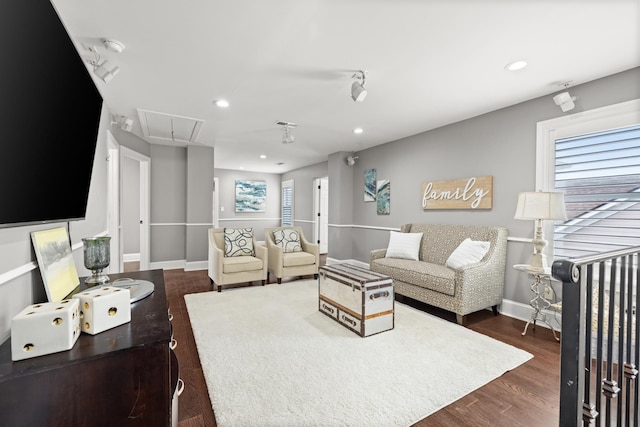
x,y
119,377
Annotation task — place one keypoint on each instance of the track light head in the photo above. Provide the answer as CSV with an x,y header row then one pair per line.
x,y
565,101
358,92
351,160
123,122
287,136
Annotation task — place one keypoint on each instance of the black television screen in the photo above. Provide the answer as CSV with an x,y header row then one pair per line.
x,y
49,117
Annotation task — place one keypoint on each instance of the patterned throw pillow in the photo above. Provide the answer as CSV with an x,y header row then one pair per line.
x,y
238,242
288,239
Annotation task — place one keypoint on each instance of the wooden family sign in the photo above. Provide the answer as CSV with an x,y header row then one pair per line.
x,y
463,193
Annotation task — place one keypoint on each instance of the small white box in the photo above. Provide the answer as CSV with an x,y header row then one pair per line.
x,y
103,308
45,328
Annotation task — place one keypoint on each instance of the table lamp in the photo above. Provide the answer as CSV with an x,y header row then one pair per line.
x,y
539,206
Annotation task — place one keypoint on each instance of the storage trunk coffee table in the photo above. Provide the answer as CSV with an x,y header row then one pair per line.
x,y
359,299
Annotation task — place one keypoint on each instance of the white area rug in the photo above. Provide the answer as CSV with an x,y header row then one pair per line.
x,y
270,358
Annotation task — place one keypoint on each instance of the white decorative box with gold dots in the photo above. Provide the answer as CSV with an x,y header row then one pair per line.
x,y
45,328
103,308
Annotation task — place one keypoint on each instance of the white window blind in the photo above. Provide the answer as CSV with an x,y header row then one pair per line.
x,y
287,203
600,176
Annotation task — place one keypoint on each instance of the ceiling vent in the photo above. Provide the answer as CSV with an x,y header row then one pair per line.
x,y
169,128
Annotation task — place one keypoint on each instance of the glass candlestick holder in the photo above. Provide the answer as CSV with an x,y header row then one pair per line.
x,y
96,258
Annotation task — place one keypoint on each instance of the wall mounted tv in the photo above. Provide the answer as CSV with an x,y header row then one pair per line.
x,y
49,117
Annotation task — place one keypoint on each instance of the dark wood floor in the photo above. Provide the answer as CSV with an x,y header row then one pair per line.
x,y
526,396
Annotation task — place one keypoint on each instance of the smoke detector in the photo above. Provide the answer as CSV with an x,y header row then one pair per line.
x,y
113,45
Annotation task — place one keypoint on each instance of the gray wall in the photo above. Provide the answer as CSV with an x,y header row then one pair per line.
x,y
168,203
501,143
199,201
303,214
256,220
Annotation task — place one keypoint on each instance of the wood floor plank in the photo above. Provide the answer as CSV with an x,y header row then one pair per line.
x,y
526,396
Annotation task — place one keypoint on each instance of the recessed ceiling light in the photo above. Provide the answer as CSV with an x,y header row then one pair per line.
x,y
263,156
515,65
358,131
222,103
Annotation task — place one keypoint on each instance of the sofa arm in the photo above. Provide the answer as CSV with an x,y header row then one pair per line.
x,y
480,285
377,253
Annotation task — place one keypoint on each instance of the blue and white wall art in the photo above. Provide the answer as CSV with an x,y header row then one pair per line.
x,y
384,197
370,185
251,196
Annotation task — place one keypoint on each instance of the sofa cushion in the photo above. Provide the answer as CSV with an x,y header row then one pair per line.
x,y
468,252
404,245
295,259
427,275
238,242
239,264
288,239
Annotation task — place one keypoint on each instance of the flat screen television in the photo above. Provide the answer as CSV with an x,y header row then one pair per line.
x,y
49,118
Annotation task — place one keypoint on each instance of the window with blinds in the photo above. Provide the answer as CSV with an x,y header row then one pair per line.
x,y
287,203
600,176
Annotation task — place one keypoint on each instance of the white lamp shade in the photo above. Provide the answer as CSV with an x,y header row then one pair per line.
x,y
541,205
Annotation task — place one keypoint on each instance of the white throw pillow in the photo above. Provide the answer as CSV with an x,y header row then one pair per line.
x,y
468,252
404,245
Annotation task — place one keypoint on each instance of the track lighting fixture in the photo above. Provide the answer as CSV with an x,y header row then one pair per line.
x,y
564,100
123,122
351,160
358,92
100,68
105,74
287,136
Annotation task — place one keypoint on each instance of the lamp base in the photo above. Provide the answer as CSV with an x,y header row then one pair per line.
x,y
539,263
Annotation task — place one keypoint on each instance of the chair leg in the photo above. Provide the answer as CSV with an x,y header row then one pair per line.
x,y
495,310
219,288
279,280
460,319
264,282
315,276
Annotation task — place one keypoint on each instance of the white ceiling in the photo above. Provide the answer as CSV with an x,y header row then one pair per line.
x,y
428,63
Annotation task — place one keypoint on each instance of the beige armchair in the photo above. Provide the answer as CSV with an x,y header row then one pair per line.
x,y
287,257
230,268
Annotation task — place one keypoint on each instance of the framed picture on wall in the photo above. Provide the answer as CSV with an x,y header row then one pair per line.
x,y
383,201
370,185
251,196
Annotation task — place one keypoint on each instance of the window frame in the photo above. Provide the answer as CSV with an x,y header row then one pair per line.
x,y
611,117
287,184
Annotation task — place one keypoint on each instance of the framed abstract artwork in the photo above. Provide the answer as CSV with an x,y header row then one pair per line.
x,y
370,185
383,197
251,196
55,260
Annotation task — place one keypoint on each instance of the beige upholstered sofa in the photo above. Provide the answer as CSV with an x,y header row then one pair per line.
x,y
227,270
464,290
284,261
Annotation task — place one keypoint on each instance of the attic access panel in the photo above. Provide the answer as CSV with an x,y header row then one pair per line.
x,y
169,127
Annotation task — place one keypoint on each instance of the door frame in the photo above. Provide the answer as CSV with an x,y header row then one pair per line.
x,y
145,183
320,204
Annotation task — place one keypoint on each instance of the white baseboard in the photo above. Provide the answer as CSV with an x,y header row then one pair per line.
x,y
131,257
167,265
196,265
